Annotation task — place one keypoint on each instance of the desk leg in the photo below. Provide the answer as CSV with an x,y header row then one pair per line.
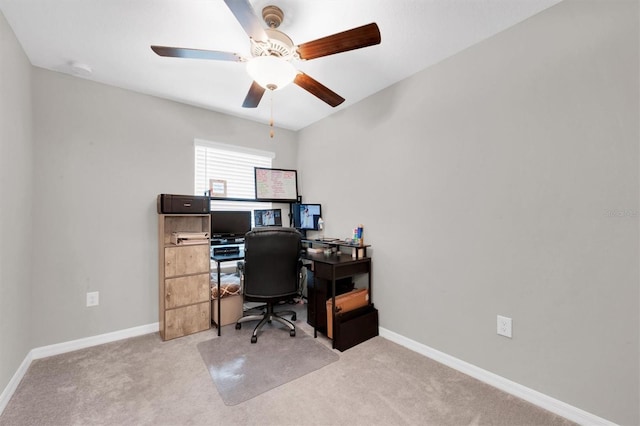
x,y
313,301
218,301
315,308
333,309
370,289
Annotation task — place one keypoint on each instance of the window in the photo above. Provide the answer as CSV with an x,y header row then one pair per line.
x,y
233,164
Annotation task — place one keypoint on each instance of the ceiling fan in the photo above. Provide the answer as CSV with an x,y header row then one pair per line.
x,y
272,52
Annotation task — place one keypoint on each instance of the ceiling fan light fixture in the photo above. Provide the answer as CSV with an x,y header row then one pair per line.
x,y
271,72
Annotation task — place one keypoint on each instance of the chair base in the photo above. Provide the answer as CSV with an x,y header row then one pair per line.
x,y
267,317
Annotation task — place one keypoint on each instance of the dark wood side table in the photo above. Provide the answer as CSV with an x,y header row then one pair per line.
x,y
332,268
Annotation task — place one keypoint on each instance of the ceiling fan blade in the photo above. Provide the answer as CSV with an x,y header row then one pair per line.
x,y
254,96
181,52
247,18
320,91
355,38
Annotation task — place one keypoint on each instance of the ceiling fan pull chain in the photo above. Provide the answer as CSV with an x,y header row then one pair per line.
x,y
271,120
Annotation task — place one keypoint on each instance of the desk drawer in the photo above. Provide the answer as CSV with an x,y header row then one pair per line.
x,y
325,270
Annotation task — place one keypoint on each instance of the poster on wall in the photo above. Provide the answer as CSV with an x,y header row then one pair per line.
x,y
276,185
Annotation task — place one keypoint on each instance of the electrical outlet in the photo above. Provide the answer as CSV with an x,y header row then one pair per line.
x,y
504,326
93,298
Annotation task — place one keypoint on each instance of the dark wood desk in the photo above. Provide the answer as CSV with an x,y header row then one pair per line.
x,y
331,269
219,258
327,269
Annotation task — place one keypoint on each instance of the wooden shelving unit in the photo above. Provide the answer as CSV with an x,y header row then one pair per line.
x,y
184,302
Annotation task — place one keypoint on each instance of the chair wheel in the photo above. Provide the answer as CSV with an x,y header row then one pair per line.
x,y
292,333
254,339
238,326
293,317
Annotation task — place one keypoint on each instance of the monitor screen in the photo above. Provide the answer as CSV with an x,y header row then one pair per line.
x,y
305,216
268,217
230,224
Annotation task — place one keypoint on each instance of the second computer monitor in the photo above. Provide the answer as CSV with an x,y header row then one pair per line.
x,y
267,217
229,224
305,216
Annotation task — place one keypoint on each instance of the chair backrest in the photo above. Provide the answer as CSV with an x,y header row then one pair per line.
x,y
272,262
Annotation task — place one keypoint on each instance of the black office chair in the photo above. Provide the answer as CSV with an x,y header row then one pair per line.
x,y
271,274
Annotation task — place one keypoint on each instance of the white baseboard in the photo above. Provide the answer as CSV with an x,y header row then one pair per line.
x,y
11,387
73,345
541,400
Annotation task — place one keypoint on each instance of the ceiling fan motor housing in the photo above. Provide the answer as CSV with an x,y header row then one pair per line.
x,y
279,44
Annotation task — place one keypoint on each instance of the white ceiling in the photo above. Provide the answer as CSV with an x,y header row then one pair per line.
x,y
113,37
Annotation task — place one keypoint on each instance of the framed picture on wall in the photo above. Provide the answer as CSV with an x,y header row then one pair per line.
x,y
217,188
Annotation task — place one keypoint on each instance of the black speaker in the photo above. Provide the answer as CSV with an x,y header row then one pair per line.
x,y
183,204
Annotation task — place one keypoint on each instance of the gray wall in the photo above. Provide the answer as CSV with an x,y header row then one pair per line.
x,y
485,185
102,156
16,193
489,184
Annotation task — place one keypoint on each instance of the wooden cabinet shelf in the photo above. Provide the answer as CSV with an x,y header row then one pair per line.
x,y
183,273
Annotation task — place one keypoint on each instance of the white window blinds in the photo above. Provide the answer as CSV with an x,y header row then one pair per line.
x,y
233,164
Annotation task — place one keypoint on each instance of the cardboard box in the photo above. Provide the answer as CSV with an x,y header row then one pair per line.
x,y
230,309
344,303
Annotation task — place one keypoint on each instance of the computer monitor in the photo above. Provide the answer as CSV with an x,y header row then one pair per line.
x,y
267,217
305,216
229,224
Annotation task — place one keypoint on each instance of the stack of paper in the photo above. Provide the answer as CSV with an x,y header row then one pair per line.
x,y
184,238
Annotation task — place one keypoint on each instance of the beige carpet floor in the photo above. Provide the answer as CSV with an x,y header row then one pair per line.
x,y
144,381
